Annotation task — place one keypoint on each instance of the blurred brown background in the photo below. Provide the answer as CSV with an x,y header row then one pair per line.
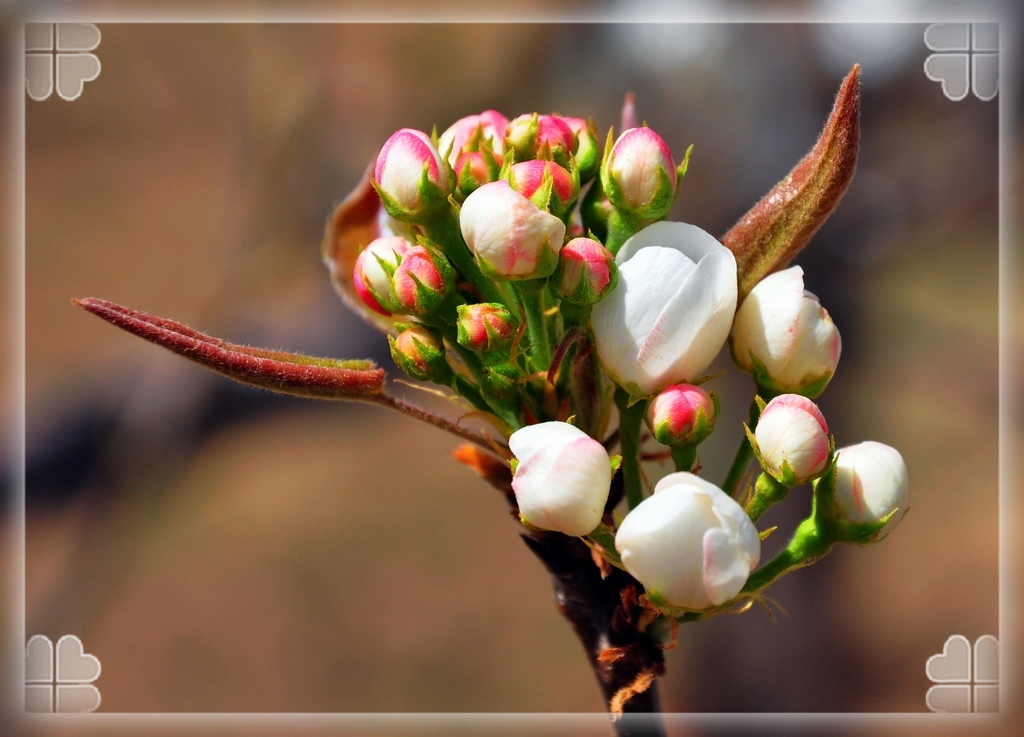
x,y
221,549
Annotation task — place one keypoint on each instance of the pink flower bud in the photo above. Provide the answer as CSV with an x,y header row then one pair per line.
x,y
411,176
373,270
510,236
587,151
421,281
420,353
638,174
792,439
546,184
784,337
540,137
562,477
682,414
486,326
586,272
474,133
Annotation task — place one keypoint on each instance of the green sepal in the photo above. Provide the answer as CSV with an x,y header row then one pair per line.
x,y
500,380
616,462
681,172
495,340
432,199
594,212
523,146
588,153
436,367
810,388
602,542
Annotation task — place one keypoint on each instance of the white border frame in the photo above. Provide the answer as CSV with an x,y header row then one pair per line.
x,y
1009,509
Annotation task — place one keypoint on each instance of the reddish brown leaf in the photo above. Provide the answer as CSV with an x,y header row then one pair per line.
x,y
771,234
353,225
290,373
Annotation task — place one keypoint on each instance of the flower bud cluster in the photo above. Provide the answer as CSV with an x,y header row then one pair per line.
x,y
535,277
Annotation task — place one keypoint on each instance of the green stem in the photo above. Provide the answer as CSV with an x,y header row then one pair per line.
x,y
684,456
444,231
810,542
743,455
631,420
767,491
622,226
530,294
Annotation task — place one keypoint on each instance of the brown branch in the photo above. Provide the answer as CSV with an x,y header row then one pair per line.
x,y
286,373
604,610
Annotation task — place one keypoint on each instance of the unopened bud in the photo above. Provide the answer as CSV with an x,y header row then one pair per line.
x,y
546,184
411,177
473,133
871,491
540,137
586,272
562,477
638,174
374,268
421,281
500,381
784,338
420,353
510,237
690,544
682,414
791,440
486,326
587,151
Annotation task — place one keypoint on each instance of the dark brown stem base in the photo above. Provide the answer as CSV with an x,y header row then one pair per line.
x,y
604,614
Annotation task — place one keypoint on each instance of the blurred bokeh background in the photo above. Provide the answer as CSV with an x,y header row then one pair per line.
x,y
222,549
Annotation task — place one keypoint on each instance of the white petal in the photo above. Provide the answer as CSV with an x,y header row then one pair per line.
x,y
766,321
689,240
726,568
623,320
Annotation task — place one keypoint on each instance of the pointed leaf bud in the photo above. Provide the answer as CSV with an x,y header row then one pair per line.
x,y
562,477
420,353
638,174
784,338
373,271
774,231
871,491
540,137
510,236
288,373
682,414
487,326
587,152
670,314
792,440
690,544
422,280
411,177
586,272
546,184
